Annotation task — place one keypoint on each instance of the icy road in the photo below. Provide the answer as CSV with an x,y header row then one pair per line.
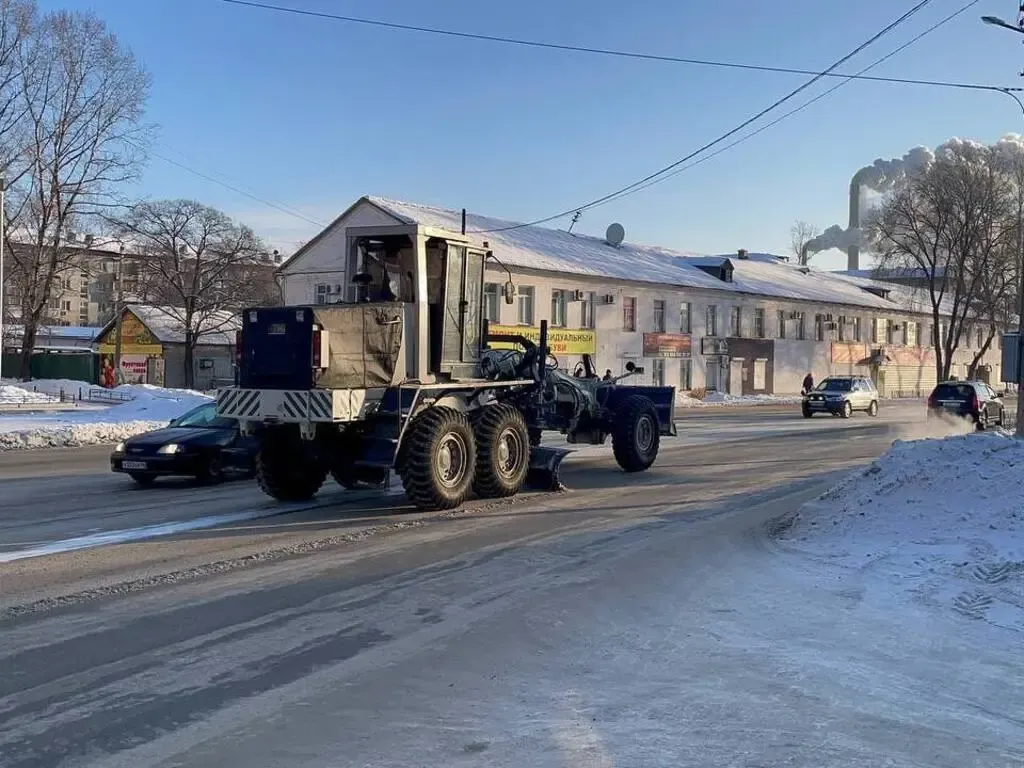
x,y
641,621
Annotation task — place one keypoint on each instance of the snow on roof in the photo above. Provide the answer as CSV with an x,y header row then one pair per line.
x,y
167,324
79,332
552,250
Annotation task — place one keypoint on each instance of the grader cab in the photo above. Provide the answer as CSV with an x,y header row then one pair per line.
x,y
400,376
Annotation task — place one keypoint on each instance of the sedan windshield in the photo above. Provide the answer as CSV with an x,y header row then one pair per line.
x,y
835,385
203,416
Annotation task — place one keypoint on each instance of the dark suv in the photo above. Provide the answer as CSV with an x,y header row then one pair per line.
x,y
974,400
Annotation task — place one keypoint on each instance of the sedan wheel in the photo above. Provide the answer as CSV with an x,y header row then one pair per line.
x,y
873,408
847,410
212,471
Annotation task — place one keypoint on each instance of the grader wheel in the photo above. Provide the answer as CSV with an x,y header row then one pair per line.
x,y
438,463
503,451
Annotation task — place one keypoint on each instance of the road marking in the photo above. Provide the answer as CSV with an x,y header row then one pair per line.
x,y
144,532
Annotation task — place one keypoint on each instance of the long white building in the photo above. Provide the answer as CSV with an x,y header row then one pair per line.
x,y
744,323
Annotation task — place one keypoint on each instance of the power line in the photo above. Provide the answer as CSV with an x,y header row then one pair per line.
x,y
822,95
733,131
227,185
572,48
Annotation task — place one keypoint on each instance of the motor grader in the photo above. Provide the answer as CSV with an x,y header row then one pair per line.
x,y
403,375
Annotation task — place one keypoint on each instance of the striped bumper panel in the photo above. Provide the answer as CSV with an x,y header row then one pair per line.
x,y
238,402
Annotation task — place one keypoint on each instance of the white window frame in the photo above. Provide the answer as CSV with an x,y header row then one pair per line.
x,y
525,300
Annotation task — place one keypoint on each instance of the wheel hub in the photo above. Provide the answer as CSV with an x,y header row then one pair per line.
x,y
510,452
451,459
644,434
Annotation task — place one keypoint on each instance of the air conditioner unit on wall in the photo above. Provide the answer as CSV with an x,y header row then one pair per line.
x,y
576,296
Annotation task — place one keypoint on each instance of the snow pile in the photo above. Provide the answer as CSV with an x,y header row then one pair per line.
x,y
55,388
719,399
12,395
150,408
937,521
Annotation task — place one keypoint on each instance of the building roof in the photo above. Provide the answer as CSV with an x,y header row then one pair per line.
x,y
552,250
168,327
77,332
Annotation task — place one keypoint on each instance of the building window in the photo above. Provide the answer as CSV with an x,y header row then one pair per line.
x,y
781,316
759,331
736,322
981,337
659,316
684,317
558,308
685,374
322,291
587,309
491,305
801,326
66,306
890,331
819,327
711,320
856,329
911,334
525,314
629,313
874,330
658,372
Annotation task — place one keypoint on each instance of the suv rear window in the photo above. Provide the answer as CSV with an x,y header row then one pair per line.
x,y
954,392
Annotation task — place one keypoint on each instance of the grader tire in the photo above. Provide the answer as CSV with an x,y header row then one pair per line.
x,y
635,434
502,451
285,472
438,462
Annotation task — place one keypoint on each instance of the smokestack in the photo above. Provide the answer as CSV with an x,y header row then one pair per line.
x,y
853,251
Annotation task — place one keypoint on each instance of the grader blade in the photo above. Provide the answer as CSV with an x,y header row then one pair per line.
x,y
544,464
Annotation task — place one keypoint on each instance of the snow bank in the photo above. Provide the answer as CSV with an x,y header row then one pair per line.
x,y
150,408
720,399
939,521
12,395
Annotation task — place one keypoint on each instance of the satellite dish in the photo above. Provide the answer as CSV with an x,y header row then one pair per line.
x,y
615,234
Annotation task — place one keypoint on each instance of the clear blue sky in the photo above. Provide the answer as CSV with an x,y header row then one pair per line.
x,y
313,113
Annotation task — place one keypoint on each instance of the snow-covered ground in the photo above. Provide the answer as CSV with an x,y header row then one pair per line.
x,y
719,399
146,407
939,523
13,395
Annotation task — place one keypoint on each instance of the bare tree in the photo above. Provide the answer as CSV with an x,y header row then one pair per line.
x,y
951,223
83,95
802,233
199,265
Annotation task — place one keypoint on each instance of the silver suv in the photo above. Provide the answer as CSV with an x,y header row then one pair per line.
x,y
841,396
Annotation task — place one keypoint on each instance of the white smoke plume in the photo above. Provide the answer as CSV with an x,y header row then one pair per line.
x,y
883,175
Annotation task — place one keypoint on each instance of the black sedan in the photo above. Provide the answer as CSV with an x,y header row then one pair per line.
x,y
198,444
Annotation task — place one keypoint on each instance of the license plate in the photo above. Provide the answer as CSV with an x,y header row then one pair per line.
x,y
133,465
278,329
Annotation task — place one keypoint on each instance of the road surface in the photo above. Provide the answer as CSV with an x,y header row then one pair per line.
x,y
631,621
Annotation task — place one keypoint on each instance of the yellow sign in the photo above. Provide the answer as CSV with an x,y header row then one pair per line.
x,y
150,350
561,341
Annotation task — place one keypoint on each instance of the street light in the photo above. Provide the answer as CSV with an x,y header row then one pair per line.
x,y
3,230
995,21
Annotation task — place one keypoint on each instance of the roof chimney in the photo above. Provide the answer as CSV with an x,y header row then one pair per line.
x,y
742,254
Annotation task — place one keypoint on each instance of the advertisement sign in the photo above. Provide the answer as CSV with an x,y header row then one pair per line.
x,y
561,341
135,339
667,345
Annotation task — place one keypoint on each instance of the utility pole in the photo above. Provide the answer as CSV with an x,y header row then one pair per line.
x,y
118,313
995,21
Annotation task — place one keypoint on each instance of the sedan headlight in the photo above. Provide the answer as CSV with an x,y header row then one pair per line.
x,y
169,449
119,448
